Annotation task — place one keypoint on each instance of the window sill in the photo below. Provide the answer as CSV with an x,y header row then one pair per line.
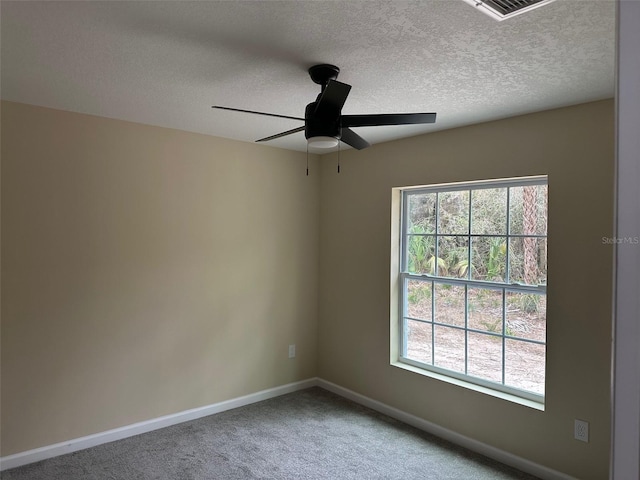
x,y
471,386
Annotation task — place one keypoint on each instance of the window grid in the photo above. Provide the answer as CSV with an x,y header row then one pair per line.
x,y
503,286
504,320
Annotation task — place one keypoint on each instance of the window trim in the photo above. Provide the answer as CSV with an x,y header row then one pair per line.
x,y
400,277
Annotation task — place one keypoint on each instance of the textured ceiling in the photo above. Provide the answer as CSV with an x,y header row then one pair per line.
x,y
165,63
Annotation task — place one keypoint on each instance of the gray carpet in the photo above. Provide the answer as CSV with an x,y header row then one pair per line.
x,y
311,434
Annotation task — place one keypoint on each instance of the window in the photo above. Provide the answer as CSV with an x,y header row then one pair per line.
x,y
472,283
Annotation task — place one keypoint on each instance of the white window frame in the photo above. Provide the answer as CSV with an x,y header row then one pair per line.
x,y
402,277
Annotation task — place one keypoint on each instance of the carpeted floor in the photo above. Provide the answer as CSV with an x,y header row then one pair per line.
x,y
311,434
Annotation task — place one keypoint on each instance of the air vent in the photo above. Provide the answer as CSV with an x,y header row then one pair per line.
x,y
503,9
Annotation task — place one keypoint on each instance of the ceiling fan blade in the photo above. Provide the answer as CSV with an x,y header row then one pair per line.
x,y
257,113
350,137
387,119
332,98
278,135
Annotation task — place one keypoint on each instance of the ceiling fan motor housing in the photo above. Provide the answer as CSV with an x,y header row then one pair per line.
x,y
321,125
321,74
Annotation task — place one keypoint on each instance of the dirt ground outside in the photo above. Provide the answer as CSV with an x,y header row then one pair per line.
x,y
447,347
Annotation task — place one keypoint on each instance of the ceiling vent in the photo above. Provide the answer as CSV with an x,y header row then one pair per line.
x,y
503,9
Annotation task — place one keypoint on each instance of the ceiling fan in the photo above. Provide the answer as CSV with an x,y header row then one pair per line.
x,y
324,124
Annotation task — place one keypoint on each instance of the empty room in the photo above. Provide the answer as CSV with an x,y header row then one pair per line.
x,y
312,239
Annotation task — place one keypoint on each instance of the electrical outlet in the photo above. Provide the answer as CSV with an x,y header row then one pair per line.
x,y
292,351
581,430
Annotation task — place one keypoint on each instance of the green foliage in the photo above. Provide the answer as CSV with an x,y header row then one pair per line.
x,y
443,268
530,302
487,238
496,261
453,215
461,268
419,293
496,327
457,256
419,249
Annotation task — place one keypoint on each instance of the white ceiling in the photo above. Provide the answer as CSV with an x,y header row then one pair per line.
x,y
166,62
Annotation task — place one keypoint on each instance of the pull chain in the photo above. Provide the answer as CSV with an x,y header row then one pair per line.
x,y
307,159
338,156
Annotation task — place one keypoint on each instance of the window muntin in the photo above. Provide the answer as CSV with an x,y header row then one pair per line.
x,y
473,282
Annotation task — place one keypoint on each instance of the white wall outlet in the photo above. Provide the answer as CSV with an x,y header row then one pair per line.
x,y
581,430
292,351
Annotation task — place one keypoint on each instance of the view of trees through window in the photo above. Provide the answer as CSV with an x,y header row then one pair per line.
x,y
474,272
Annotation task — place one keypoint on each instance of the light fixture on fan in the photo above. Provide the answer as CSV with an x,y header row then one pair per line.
x,y
322,142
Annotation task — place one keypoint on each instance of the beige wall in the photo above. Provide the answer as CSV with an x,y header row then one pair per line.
x,y
146,271
574,146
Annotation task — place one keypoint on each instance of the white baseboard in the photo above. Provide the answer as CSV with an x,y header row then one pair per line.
x,y
50,451
507,458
